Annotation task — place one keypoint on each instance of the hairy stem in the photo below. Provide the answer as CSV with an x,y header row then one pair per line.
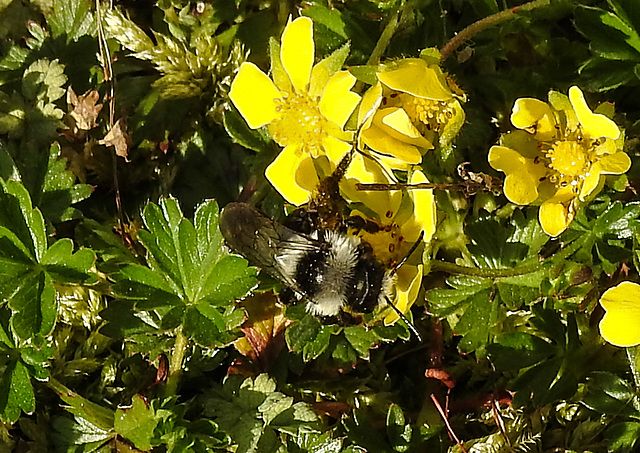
x,y
175,363
487,22
452,268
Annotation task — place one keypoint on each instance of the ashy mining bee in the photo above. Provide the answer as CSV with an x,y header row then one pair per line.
x,y
335,273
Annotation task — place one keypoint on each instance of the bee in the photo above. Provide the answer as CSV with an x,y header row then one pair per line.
x,y
336,274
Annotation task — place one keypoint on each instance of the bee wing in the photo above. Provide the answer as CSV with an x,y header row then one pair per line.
x,y
265,242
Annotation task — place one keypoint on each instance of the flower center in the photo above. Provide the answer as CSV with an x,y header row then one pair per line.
x,y
299,122
429,114
569,158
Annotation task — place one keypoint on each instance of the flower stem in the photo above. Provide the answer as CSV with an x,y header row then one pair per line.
x,y
452,268
175,363
385,37
487,22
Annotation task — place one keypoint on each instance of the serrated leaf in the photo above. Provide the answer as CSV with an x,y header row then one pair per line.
x,y
253,413
612,38
477,321
44,80
59,190
136,423
610,394
308,337
189,269
64,266
443,302
71,18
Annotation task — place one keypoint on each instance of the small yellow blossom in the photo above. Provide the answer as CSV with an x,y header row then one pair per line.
x,y
305,109
621,323
410,108
401,220
558,156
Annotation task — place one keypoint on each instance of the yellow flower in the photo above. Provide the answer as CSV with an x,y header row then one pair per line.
x,y
407,111
558,156
621,323
305,109
401,219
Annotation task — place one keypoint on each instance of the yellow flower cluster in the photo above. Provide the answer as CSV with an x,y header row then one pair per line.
x,y
558,156
306,107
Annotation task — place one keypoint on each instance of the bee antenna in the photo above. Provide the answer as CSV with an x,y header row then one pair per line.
x,y
401,315
413,248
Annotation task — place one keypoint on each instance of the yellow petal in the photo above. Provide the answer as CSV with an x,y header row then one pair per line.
x,y
383,143
621,323
298,51
338,101
531,113
416,77
408,282
293,175
398,120
505,159
614,164
254,95
397,123
371,100
593,124
590,183
554,217
424,208
520,188
334,148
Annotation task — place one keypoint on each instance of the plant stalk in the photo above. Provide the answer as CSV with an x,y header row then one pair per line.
x,y
487,22
175,363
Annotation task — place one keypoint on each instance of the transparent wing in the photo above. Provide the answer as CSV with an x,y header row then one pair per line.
x,y
264,242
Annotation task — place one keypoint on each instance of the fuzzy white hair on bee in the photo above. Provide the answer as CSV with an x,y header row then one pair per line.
x,y
330,271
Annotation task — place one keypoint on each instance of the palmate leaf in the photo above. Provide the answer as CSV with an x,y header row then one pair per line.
x,y
190,280
28,269
255,415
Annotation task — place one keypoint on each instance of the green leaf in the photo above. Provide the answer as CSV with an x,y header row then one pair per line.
x,y
308,337
515,350
189,269
16,392
610,394
398,432
257,140
326,68
71,18
622,436
612,38
44,80
136,423
477,321
255,415
82,408
64,266
443,302
59,190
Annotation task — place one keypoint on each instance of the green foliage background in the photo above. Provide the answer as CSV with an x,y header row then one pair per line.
x,y
118,299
